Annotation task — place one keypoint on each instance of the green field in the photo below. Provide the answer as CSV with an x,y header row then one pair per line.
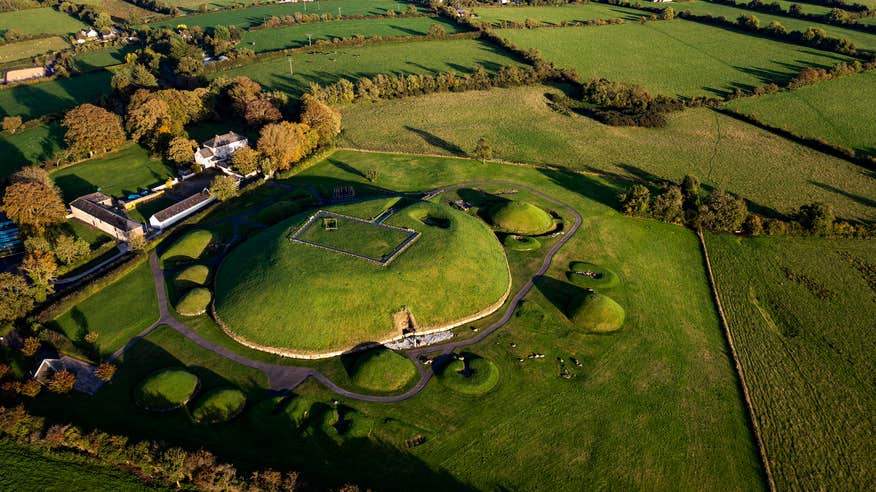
x,y
40,21
102,58
437,279
555,15
122,10
296,36
32,47
672,58
253,16
327,65
839,111
801,312
116,313
166,389
773,173
31,146
371,240
125,171
54,96
862,40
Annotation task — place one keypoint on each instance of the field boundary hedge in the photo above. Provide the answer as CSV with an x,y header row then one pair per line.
x,y
770,9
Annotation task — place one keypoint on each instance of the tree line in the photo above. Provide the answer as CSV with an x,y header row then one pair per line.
x,y
836,16
302,18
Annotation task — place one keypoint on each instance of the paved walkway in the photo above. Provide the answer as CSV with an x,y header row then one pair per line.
x,y
285,378
80,276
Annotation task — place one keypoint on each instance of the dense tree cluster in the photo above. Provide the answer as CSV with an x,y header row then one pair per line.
x,y
92,130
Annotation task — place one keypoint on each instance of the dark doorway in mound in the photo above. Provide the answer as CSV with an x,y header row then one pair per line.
x,y
435,221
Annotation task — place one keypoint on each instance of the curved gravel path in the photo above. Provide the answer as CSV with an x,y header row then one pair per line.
x,y
288,377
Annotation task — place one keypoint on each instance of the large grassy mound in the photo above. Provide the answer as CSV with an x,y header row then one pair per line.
x,y
311,299
472,376
219,405
187,248
166,389
597,312
521,243
382,370
521,218
194,302
193,275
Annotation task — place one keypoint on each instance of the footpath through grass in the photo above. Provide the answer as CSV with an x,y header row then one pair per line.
x,y
801,312
839,111
672,57
55,96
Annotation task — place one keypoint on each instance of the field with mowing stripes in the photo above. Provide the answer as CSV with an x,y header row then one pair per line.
x,y
54,96
40,21
556,15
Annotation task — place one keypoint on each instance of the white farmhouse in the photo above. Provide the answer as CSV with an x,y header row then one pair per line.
x,y
219,149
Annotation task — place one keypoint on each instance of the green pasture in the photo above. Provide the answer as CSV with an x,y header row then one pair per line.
x,y
776,175
472,376
117,174
31,146
327,65
380,370
253,16
672,58
103,58
54,96
800,311
839,111
190,247
122,9
30,48
40,21
556,15
297,36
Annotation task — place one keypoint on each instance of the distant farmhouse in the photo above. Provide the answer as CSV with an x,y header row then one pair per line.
x,y
217,151
84,36
96,210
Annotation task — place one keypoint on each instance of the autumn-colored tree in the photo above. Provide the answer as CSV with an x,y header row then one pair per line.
x,y
322,118
41,267
61,382
11,123
16,297
137,242
103,21
181,150
31,388
133,76
69,249
260,111
224,187
33,204
30,345
92,130
105,371
34,174
4,370
145,115
286,143
241,92
91,337
245,160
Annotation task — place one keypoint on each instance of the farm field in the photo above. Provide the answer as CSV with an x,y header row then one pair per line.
x,y
253,16
125,171
31,146
801,311
871,21
777,176
672,57
862,40
296,36
103,58
839,111
327,65
40,21
32,47
122,10
556,15
54,96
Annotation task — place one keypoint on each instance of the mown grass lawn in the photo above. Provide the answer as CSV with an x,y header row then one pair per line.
x,y
31,47
801,311
839,111
103,58
123,10
327,65
296,36
54,96
31,146
556,15
773,173
40,21
117,174
672,58
371,240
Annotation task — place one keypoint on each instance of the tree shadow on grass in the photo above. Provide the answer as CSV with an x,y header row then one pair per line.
x,y
436,141
592,187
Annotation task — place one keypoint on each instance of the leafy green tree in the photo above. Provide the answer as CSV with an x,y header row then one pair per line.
x,y
41,267
133,76
69,249
816,218
11,123
690,191
724,212
636,200
224,187
16,297
436,31
322,118
668,14
753,225
245,160
483,151
669,205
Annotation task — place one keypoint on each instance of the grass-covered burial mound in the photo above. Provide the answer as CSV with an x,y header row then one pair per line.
x,y
468,374
166,390
382,370
219,405
194,302
188,248
287,295
591,276
521,218
192,276
521,243
597,312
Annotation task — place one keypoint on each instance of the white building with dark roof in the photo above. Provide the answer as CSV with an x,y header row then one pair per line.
x,y
96,210
180,210
219,149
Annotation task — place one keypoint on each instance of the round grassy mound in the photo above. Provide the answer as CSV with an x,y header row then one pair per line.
x,y
193,275
521,218
521,243
472,376
194,302
166,390
219,405
316,301
597,312
591,276
383,370
188,248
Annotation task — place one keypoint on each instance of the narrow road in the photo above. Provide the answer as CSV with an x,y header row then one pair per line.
x,y
289,377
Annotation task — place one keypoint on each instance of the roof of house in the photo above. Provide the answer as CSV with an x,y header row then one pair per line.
x,y
90,204
96,197
205,152
182,205
222,140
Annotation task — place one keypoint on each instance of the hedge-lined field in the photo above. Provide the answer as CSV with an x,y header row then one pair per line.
x,y
31,47
55,96
327,65
122,9
31,146
296,36
253,16
556,15
672,58
801,312
775,174
40,21
839,111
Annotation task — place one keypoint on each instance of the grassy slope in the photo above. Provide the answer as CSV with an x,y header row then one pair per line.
x,y
296,36
116,313
329,65
357,237
103,58
839,111
117,174
122,9
555,15
54,96
813,391
30,146
672,58
256,15
770,171
40,21
32,47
